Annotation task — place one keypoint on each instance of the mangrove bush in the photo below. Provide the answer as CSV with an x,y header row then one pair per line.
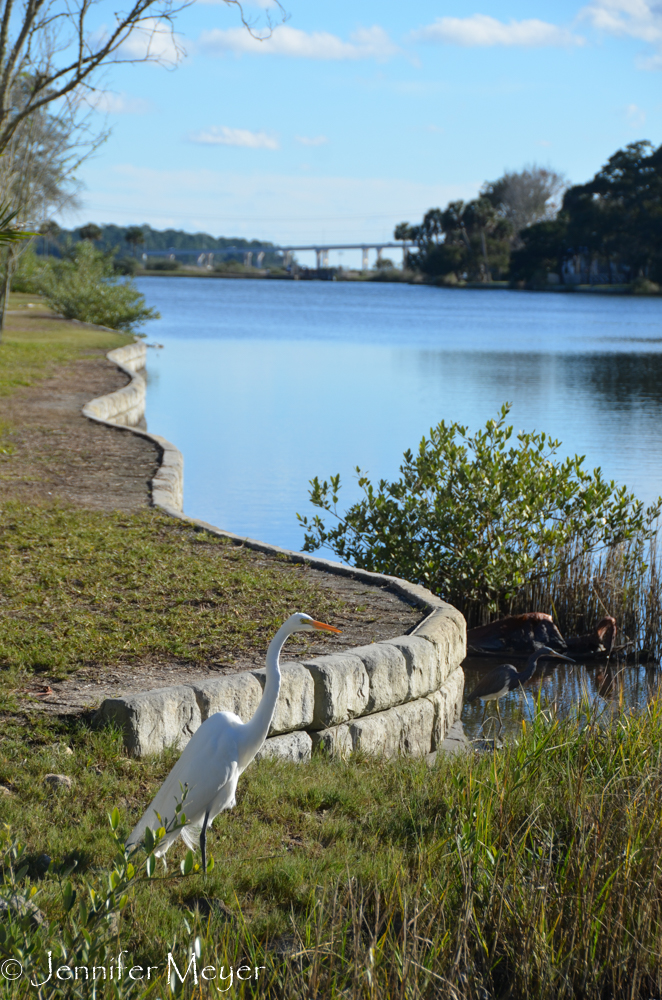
x,y
478,517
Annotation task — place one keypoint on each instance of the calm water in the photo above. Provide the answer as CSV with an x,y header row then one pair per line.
x,y
263,385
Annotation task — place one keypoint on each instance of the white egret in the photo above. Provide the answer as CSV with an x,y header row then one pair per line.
x,y
215,756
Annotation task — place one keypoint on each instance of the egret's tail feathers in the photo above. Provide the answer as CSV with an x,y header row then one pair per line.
x,y
166,843
191,836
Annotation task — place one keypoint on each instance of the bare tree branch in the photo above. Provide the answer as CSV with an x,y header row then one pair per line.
x,y
49,29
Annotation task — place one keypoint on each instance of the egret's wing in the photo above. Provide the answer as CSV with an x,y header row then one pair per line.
x,y
206,766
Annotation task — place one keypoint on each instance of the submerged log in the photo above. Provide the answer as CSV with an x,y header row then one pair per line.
x,y
519,635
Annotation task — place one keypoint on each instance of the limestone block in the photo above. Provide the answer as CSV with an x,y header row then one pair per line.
x,y
296,700
387,670
168,483
446,628
129,399
377,734
422,663
154,720
416,727
406,729
342,688
238,693
447,702
132,356
336,741
296,747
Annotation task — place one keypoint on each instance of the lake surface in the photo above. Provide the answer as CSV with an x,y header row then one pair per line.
x,y
265,384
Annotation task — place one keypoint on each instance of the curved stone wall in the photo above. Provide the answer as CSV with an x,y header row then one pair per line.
x,y
391,697
124,409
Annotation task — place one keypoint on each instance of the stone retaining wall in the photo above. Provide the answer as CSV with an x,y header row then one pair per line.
x,y
391,697
124,409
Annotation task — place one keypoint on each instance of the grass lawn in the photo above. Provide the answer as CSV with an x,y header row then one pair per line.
x,y
530,873
30,350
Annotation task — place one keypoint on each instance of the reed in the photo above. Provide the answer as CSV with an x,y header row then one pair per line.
x,y
614,582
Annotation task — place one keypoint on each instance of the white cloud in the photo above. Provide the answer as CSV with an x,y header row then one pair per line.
x,y
635,115
153,40
636,18
482,30
221,135
108,102
316,140
641,19
365,43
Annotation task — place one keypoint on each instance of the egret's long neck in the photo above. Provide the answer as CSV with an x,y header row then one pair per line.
x,y
255,732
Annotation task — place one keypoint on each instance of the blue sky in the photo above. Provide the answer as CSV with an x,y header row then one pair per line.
x,y
353,117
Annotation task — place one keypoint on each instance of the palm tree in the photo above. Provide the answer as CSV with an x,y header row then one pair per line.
x,y
135,236
90,232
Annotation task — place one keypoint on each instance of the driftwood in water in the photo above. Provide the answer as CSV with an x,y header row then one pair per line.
x,y
520,634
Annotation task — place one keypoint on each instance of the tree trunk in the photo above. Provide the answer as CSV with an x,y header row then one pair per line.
x,y
483,244
5,281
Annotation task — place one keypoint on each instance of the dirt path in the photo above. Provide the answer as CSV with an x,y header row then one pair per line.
x,y
59,453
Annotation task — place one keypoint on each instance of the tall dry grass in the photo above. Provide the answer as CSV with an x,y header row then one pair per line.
x,y
612,583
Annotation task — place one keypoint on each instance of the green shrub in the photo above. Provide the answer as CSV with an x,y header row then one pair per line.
x,y
477,519
162,265
231,267
85,287
125,265
27,272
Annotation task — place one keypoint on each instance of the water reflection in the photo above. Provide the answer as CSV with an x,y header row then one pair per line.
x,y
608,685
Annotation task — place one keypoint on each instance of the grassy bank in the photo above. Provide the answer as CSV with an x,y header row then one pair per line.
x,y
33,343
84,588
530,873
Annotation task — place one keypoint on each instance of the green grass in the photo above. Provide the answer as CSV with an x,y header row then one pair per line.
x,y
81,588
532,873
32,348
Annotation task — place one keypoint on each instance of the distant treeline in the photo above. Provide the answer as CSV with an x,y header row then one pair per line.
x,y
133,240
533,230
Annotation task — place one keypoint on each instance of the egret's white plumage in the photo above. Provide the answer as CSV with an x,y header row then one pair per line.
x,y
216,755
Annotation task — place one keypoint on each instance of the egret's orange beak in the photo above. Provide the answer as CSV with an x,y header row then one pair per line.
x,y
325,628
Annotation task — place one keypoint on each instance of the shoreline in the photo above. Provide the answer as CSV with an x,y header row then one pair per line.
x,y
492,286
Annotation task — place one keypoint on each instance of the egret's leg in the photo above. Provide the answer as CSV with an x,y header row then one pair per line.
x,y
203,843
482,721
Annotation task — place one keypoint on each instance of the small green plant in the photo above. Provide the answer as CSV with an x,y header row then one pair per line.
x,y
48,953
477,518
85,287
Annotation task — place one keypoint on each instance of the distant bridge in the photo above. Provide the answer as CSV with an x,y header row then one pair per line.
x,y
206,257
